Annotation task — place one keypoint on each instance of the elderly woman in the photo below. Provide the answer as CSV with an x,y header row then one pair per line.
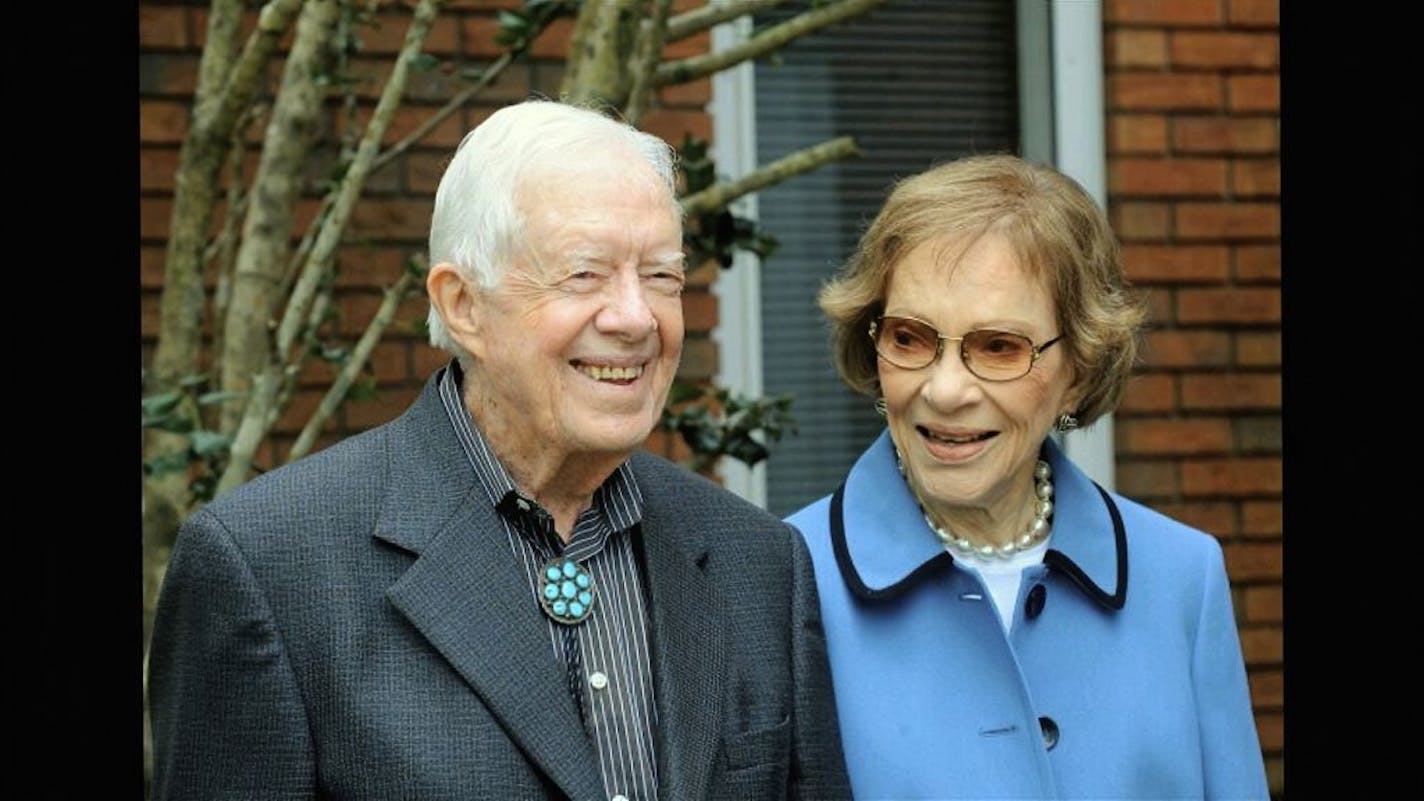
x,y
999,625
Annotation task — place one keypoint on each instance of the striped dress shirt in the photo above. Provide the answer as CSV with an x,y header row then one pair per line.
x,y
605,656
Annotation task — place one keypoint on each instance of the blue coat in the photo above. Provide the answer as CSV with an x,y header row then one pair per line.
x,y
1096,692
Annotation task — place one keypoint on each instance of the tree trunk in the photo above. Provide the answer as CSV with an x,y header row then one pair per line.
x,y
602,45
227,85
266,231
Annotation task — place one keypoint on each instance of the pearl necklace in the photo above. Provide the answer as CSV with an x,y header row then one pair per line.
x,y
1035,532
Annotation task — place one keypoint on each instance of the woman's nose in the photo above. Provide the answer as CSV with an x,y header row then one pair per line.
x,y
948,381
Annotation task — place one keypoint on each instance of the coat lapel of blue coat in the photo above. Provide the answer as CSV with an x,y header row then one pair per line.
x,y
1083,513
886,541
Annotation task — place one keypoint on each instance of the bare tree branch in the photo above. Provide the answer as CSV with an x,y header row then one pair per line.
x,y
356,360
537,25
194,193
720,195
646,53
596,72
354,180
691,23
768,41
487,77
259,414
244,79
252,429
223,91
287,144
320,305
223,251
224,25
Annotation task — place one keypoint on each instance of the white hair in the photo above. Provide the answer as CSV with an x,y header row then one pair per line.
x,y
476,224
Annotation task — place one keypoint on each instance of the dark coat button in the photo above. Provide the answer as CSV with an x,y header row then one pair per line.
x,y
1050,731
1034,606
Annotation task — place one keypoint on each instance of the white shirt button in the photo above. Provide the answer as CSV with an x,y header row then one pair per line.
x,y
598,681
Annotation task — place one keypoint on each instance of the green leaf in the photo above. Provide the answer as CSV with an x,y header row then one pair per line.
x,y
178,424
159,405
168,463
742,420
747,451
338,171
704,440
331,353
207,443
698,170
219,396
203,487
682,392
424,62
363,388
693,148
764,245
513,28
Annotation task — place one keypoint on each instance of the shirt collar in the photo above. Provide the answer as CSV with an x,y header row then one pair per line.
x,y
617,499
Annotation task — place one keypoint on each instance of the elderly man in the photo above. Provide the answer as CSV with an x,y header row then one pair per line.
x,y
499,595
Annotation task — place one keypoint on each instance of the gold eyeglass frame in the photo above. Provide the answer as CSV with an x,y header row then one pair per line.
x,y
1035,351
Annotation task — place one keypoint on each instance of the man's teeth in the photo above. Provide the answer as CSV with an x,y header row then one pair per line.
x,y
607,373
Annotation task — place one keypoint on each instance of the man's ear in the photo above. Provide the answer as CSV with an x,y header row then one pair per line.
x,y
455,300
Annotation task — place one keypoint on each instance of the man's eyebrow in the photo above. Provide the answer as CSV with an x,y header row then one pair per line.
x,y
668,259
586,255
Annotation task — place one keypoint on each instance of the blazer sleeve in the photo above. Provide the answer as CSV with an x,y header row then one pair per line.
x,y
227,715
818,769
1231,751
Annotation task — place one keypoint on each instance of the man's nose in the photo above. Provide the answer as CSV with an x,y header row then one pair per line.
x,y
627,312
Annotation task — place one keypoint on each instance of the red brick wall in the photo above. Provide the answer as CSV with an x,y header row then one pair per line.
x,y
394,212
1193,134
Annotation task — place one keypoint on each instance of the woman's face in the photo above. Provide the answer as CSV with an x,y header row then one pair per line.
x,y
967,443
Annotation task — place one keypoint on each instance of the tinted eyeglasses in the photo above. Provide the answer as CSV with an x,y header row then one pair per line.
x,y
989,354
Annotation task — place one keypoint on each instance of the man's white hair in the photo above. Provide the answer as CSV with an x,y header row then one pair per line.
x,y
476,225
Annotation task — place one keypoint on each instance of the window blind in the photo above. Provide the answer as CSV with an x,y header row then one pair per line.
x,y
916,83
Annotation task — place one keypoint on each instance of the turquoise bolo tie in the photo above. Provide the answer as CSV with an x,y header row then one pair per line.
x,y
566,591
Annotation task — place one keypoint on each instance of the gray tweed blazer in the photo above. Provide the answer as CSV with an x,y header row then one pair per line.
x,y
354,626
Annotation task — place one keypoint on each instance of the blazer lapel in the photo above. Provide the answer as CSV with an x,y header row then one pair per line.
x,y
467,595
688,650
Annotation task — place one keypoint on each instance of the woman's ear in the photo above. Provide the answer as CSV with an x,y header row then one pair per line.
x,y
454,298
1073,399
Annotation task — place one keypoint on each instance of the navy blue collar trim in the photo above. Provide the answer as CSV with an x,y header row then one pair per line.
x,y
943,561
937,564
1056,559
